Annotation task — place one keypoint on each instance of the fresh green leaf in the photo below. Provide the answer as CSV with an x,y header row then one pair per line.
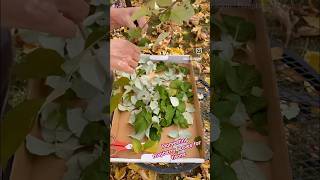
x,y
230,143
179,120
220,170
239,28
256,151
254,104
214,128
167,121
83,89
164,3
51,42
173,134
93,18
66,149
228,173
134,33
164,17
57,92
217,165
183,70
137,147
75,46
182,12
92,72
256,91
140,104
290,110
11,140
143,11
40,63
224,108
248,170
260,122
249,78
143,42
95,106
185,134
181,107
93,133
76,121
141,123
115,100
149,144
161,67
161,37
38,147
95,36
232,77
95,171
155,132
239,116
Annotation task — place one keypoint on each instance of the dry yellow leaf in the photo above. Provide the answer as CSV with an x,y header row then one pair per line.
x,y
276,53
143,174
207,79
313,58
133,167
312,21
177,51
120,173
152,175
152,149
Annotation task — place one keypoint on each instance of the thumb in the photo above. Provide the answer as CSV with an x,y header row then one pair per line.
x,y
130,23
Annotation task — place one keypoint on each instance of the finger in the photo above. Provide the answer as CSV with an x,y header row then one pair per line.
x,y
133,47
130,23
44,17
124,66
76,10
132,63
143,23
136,56
61,26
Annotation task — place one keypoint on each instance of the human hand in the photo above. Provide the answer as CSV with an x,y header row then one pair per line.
x,y
57,17
122,17
124,55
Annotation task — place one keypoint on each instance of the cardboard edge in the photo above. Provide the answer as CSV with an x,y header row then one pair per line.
x,y
200,131
182,160
198,114
281,168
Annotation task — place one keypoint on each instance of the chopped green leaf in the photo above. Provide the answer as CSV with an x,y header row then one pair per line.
x,y
121,82
230,143
40,63
137,147
11,140
93,133
115,100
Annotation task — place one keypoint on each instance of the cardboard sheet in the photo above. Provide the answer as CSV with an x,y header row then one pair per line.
x,y
121,130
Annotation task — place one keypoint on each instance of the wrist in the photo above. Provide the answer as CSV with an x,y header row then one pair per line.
x,y
113,20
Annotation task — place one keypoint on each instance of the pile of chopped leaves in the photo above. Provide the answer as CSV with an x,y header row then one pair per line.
x,y
157,95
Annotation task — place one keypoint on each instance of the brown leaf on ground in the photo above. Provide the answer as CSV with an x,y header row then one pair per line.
x,y
282,13
312,21
307,31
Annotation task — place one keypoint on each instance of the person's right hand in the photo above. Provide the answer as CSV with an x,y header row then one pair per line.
x,y
57,17
124,55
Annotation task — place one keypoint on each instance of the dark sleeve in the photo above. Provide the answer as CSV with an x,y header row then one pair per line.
x,y
5,64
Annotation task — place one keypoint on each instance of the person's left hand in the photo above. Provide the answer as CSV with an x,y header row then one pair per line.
x,y
121,17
